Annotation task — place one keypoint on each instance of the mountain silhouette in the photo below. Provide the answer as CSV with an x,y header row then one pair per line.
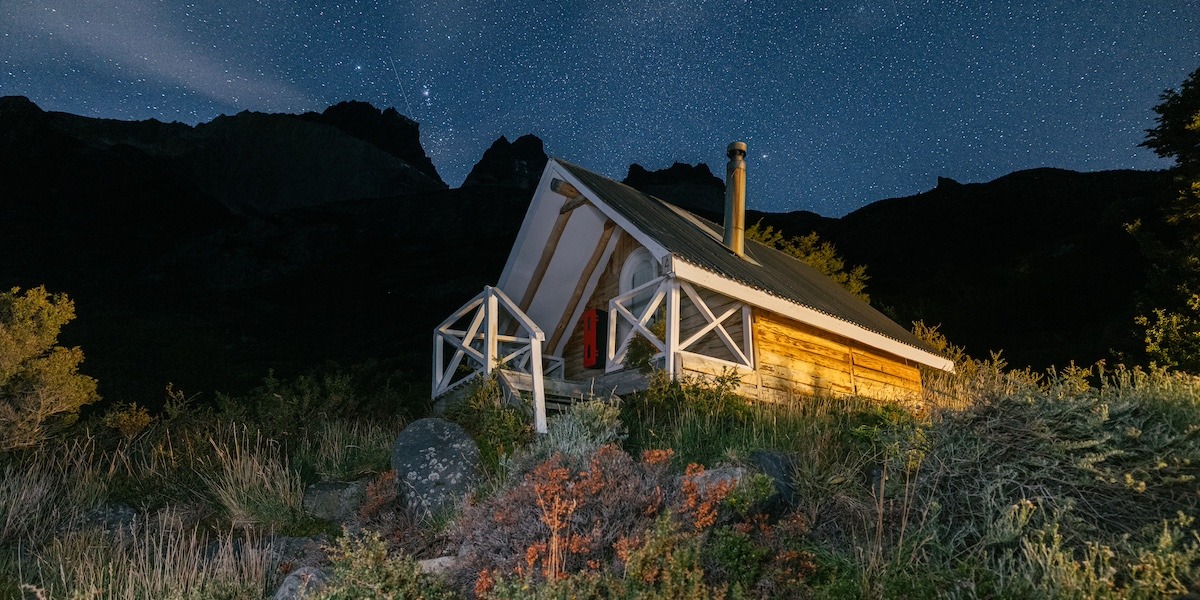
x,y
207,255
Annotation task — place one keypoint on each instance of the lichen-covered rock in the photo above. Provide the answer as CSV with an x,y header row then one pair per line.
x,y
437,566
437,465
335,500
301,583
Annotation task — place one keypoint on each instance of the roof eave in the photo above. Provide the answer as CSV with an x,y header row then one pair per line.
x,y
681,268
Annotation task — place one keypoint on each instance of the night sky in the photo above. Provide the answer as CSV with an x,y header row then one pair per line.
x,y
841,103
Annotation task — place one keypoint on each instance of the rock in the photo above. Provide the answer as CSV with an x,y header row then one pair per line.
x,y
301,583
437,566
517,164
713,477
300,551
780,468
335,500
437,465
387,129
112,517
694,188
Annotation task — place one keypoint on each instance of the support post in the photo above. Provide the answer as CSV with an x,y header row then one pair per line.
x,y
539,384
671,333
438,363
489,332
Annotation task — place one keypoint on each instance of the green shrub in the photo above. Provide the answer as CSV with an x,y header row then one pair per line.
x,y
735,557
574,434
128,419
40,387
362,568
498,429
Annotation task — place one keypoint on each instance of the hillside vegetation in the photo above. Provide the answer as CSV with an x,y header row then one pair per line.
x,y
995,483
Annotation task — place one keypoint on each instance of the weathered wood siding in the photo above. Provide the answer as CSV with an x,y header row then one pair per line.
x,y
794,358
607,287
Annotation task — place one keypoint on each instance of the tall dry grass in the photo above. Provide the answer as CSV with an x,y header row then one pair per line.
x,y
250,478
160,556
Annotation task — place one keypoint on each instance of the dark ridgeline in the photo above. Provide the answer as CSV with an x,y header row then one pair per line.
x,y
1037,263
207,255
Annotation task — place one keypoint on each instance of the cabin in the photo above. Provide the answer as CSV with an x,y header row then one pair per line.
x,y
601,273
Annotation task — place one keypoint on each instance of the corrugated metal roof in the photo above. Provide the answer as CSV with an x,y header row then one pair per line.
x,y
775,272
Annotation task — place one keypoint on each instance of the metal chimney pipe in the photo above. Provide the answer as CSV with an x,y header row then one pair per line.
x,y
735,199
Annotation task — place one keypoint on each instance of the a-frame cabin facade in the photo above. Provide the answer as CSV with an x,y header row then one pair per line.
x,y
597,263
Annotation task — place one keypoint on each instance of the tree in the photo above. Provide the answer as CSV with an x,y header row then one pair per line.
x,y
1177,133
819,255
40,386
1172,334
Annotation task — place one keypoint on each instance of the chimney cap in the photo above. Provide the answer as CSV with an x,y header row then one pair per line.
x,y
736,147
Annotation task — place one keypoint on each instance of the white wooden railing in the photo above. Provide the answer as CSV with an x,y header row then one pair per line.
x,y
478,348
627,322
622,315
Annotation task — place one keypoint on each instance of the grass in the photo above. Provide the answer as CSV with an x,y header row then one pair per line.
x,y
1077,483
158,557
251,481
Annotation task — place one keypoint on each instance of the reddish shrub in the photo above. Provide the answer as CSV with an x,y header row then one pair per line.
x,y
558,522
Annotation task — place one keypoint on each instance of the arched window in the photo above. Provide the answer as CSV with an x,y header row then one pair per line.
x,y
639,268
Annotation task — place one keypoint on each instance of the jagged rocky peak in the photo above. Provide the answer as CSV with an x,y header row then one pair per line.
x,y
518,164
386,129
694,188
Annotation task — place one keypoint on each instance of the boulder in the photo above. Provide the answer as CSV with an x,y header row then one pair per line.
x,y
301,583
335,500
437,566
437,465
781,468
712,477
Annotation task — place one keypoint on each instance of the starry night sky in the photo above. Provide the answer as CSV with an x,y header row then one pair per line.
x,y
841,103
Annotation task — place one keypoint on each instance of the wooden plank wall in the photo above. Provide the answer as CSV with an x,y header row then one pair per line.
x,y
607,287
794,358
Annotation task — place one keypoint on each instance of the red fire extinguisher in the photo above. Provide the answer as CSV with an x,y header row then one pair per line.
x,y
595,337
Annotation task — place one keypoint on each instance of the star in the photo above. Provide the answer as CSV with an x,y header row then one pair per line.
x,y
842,105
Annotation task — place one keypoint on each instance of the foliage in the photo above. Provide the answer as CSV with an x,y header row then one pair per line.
x,y
817,254
362,568
345,449
284,409
574,434
159,557
251,481
557,519
1177,132
641,352
498,428
128,419
1172,332
40,387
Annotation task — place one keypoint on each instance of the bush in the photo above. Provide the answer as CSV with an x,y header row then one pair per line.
x,y
574,435
498,429
40,387
557,519
362,568
128,419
